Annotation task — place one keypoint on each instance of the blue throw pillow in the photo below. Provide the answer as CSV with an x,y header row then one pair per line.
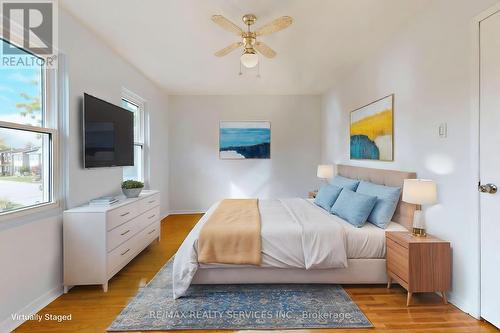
x,y
387,200
343,182
326,196
353,207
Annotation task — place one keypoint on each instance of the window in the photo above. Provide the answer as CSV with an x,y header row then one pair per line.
x,y
26,137
135,105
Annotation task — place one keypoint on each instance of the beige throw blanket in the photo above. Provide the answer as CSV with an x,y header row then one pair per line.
x,y
232,234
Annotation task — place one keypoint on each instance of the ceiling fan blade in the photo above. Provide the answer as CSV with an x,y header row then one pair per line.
x,y
228,49
275,26
265,50
227,25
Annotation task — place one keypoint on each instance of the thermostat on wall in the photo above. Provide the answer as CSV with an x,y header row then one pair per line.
x,y
443,130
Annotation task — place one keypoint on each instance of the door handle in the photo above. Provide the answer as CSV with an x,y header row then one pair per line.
x,y
488,188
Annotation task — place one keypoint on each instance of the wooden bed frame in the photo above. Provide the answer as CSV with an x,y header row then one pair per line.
x,y
359,271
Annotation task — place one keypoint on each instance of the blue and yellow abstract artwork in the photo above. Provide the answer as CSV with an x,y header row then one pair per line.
x,y
372,131
244,140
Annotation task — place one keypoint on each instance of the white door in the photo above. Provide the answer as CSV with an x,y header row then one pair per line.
x,y
490,167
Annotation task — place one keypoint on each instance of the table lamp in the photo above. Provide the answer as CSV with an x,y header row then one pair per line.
x,y
325,171
419,192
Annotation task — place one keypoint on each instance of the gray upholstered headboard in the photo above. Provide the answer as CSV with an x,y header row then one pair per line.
x,y
404,211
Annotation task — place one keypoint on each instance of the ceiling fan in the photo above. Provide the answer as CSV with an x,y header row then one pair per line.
x,y
249,41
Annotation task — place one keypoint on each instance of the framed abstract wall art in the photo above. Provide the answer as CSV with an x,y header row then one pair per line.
x,y
372,131
240,140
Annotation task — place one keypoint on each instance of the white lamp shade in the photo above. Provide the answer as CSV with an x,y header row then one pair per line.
x,y
249,59
419,191
325,171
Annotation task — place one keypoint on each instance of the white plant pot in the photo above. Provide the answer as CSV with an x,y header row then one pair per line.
x,y
131,192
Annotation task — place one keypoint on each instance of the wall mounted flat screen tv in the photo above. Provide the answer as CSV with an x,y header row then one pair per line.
x,y
108,134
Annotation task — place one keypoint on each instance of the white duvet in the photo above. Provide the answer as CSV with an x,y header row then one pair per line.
x,y
295,234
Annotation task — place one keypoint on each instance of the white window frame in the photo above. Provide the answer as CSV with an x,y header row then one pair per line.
x,y
143,131
50,125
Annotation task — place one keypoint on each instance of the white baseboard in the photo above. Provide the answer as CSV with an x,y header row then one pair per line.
x,y
463,306
8,324
179,212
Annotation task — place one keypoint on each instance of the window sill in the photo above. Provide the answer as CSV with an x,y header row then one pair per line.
x,y
29,212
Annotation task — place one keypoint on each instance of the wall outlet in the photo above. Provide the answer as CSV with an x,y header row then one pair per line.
x,y
443,130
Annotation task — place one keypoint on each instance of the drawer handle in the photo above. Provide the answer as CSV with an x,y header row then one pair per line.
x,y
124,253
150,217
149,233
151,201
125,214
124,233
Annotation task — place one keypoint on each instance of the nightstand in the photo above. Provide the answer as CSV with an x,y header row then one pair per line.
x,y
418,264
312,195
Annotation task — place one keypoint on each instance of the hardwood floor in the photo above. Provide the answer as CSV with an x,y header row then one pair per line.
x,y
93,311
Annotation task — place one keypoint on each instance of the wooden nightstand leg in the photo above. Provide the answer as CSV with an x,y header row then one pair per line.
x,y
389,283
408,298
445,299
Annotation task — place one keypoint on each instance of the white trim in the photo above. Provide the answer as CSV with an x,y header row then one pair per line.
x,y
8,325
464,306
180,212
50,125
146,168
28,211
144,131
29,128
63,126
474,161
52,121
475,149
140,103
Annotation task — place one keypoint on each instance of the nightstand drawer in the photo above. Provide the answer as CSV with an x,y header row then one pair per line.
x,y
397,259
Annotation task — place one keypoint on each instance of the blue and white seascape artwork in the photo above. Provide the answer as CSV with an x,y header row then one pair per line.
x,y
245,140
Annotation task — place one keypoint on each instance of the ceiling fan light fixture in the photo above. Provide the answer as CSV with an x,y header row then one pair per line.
x,y
249,59
248,41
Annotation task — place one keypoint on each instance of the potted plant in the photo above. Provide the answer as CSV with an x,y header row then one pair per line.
x,y
132,188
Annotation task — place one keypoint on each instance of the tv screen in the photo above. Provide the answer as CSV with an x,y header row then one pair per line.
x,y
108,134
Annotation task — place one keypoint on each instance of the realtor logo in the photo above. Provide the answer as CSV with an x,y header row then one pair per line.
x,y
30,25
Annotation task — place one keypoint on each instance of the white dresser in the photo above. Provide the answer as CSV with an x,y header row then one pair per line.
x,y
100,240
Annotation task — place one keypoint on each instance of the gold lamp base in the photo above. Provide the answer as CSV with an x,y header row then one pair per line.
x,y
419,232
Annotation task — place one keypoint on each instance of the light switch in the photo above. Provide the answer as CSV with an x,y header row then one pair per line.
x,y
443,130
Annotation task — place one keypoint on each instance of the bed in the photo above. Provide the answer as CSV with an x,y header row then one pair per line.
x,y
332,250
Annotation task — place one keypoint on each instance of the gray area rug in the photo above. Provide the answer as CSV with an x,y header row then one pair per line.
x,y
259,306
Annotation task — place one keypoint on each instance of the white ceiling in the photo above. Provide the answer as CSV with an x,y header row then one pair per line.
x,y
173,41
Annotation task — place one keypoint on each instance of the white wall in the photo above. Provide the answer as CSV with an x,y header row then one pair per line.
x,y
95,69
31,261
428,67
198,177
31,249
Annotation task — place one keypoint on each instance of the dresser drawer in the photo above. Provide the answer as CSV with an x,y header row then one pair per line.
x,y
149,217
123,214
122,255
397,259
149,234
150,202
122,233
